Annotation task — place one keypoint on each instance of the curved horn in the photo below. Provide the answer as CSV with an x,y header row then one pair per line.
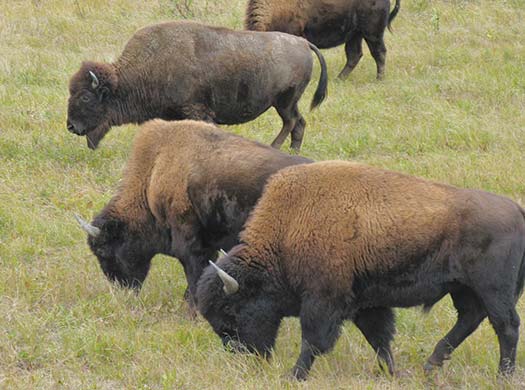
x,y
93,231
94,80
230,284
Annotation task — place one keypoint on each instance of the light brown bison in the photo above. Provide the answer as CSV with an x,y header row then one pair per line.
x,y
186,192
185,70
329,23
328,239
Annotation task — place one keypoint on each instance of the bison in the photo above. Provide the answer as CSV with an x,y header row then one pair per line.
x,y
187,190
328,24
329,239
185,70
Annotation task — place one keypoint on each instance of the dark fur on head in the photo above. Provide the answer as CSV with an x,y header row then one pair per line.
x,y
259,307
88,104
124,253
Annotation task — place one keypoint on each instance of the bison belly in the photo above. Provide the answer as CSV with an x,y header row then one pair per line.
x,y
238,102
328,33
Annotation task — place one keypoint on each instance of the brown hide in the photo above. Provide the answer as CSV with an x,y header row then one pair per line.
x,y
185,70
328,23
336,220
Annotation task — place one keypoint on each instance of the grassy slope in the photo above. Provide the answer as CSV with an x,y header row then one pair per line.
x,y
451,109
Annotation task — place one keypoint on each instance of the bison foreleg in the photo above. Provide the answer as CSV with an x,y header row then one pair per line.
x,y
193,265
320,327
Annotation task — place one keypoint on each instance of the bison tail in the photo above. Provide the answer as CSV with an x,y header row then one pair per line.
x,y
393,14
320,92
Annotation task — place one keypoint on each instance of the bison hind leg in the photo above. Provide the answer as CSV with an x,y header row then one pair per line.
x,y
378,326
505,321
378,50
471,312
286,107
298,133
354,52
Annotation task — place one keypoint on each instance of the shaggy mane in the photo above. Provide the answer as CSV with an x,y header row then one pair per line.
x,y
258,15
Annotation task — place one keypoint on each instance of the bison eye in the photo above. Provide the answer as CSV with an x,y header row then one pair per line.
x,y
85,98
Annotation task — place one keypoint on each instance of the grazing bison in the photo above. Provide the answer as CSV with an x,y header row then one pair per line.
x,y
328,24
186,192
328,239
185,70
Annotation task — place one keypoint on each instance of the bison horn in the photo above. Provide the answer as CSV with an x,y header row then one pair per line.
x,y
93,231
94,80
230,284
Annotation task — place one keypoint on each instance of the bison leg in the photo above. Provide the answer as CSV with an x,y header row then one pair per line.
x,y
506,322
320,327
193,265
354,52
470,314
286,106
378,50
298,133
378,327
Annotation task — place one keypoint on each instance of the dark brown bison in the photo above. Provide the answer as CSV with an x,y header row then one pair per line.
x,y
329,23
328,239
186,192
185,70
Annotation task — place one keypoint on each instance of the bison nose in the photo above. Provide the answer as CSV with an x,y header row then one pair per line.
x,y
70,127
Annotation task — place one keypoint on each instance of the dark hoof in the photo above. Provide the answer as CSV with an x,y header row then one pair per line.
x,y
429,367
299,374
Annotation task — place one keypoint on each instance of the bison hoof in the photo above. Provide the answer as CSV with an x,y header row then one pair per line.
x,y
299,374
429,367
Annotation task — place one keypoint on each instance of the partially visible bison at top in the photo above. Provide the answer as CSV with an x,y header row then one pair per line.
x,y
185,70
329,239
329,23
186,192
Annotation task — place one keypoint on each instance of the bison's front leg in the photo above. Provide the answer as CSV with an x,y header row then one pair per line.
x,y
193,265
320,326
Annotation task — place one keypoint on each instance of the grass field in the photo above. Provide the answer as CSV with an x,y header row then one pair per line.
x,y
451,108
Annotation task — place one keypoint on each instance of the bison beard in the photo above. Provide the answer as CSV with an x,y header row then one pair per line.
x,y
337,241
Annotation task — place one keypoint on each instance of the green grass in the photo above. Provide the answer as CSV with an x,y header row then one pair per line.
x,y
452,108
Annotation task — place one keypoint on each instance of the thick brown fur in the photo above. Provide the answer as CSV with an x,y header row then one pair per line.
x,y
185,70
186,192
328,24
331,239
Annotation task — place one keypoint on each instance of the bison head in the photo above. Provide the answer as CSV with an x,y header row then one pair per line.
x,y
241,305
123,255
91,90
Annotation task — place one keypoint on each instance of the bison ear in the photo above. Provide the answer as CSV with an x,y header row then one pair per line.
x,y
103,93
